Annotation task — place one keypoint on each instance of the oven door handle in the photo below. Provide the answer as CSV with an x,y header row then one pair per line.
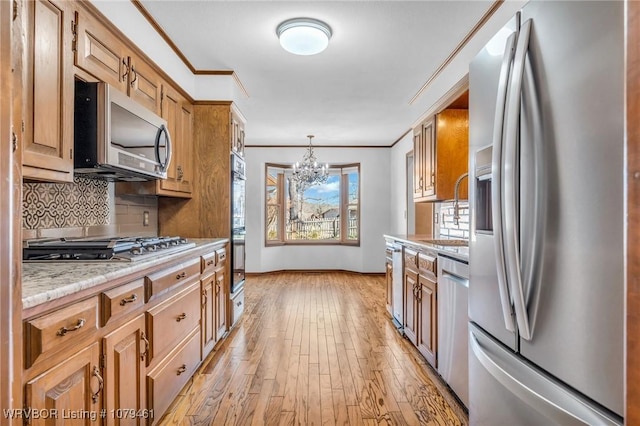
x,y
163,165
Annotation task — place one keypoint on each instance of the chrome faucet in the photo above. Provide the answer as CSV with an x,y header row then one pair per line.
x,y
456,207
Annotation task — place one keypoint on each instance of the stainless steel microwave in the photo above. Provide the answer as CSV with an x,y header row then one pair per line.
x,y
116,138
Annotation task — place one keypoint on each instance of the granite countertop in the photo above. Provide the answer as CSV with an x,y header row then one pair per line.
x,y
44,282
457,252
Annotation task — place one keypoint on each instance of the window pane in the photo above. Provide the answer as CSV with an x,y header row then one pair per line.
x,y
272,223
354,185
313,213
352,223
272,186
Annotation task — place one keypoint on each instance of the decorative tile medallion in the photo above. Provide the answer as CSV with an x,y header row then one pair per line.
x,y
85,202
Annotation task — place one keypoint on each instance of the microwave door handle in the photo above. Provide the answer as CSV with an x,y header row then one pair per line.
x,y
163,166
496,182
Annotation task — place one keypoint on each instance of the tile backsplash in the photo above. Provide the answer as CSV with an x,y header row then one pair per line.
x,y
86,207
446,226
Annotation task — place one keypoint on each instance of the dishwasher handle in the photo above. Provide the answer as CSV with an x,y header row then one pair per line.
x,y
455,278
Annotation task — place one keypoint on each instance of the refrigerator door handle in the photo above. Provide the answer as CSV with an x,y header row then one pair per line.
x,y
496,182
559,403
510,196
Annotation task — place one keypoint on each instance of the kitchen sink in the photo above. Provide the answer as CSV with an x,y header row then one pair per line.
x,y
447,242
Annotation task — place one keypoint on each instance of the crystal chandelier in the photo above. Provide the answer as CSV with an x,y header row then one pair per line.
x,y
309,172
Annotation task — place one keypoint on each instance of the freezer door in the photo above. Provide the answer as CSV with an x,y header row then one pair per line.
x,y
505,390
575,291
488,305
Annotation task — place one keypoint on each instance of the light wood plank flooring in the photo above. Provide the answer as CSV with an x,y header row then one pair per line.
x,y
311,349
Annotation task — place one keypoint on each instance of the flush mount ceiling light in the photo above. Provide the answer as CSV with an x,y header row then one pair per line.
x,y
304,36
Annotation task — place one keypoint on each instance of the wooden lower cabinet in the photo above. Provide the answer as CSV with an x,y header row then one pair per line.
x,y
207,324
221,304
72,388
169,377
420,303
124,352
410,311
427,336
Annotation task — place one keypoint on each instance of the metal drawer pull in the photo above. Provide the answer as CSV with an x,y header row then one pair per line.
x,y
239,303
129,299
64,330
182,369
146,346
96,374
210,262
181,275
181,317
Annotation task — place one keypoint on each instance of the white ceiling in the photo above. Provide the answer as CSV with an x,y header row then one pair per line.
x,y
356,92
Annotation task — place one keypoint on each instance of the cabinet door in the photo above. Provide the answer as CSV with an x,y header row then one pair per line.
x,y
429,159
418,164
124,352
171,113
74,386
101,53
145,85
209,302
48,142
185,149
237,135
427,320
221,304
410,314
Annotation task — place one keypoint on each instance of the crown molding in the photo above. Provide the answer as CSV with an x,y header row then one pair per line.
x,y
488,14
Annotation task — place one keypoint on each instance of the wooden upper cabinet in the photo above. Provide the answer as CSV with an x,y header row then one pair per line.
x,y
104,55
179,115
237,134
48,141
100,52
423,160
441,150
145,85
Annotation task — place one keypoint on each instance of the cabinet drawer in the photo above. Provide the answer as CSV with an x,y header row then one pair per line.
x,y
61,328
427,263
173,319
165,381
410,258
208,263
160,281
121,300
221,256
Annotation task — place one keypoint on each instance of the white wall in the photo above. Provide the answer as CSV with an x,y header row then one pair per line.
x,y
375,191
398,181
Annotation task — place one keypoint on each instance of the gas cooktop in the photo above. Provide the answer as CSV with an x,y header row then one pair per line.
x,y
128,249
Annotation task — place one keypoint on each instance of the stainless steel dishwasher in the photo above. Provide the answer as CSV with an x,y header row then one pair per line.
x,y
453,319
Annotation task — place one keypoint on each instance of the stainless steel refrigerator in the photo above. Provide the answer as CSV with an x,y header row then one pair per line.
x,y
546,292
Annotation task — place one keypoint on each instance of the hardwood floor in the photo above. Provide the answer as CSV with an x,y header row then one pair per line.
x,y
315,348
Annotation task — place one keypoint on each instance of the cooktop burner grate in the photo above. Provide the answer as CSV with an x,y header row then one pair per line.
x,y
102,249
